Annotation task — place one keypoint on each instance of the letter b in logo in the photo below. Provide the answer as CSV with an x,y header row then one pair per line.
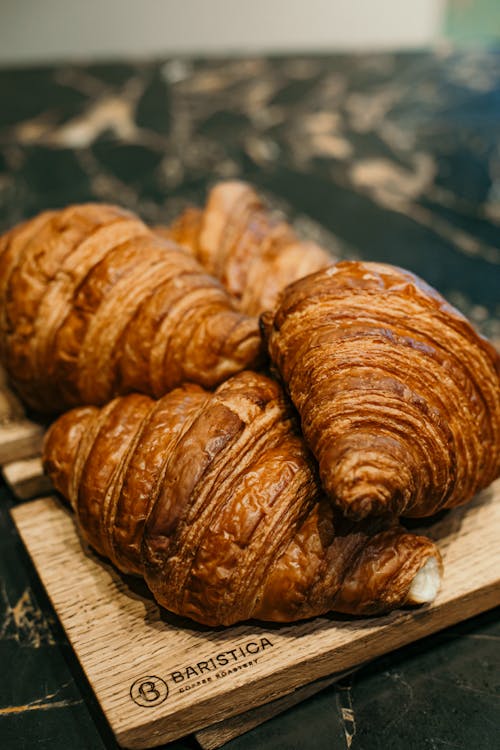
x,y
149,691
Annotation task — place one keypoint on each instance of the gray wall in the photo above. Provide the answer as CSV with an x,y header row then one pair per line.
x,y
44,30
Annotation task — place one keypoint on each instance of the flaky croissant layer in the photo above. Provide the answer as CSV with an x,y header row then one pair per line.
x,y
93,304
399,397
254,253
212,497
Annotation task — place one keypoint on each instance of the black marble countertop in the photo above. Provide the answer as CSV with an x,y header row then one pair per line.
x,y
393,157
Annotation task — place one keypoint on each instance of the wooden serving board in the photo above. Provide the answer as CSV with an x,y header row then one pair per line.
x,y
159,677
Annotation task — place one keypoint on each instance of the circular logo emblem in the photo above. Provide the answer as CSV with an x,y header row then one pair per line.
x,y
149,691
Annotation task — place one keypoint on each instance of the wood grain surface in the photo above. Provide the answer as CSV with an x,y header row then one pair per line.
x,y
159,677
19,439
25,478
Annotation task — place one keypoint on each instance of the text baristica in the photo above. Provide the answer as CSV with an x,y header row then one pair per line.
x,y
225,658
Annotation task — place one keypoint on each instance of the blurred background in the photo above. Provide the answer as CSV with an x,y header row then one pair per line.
x,y
34,31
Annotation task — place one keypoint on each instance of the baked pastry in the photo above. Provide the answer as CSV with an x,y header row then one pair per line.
x,y
399,397
212,497
254,253
92,304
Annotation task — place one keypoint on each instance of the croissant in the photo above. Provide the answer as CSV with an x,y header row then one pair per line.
x,y
253,253
212,497
399,397
93,304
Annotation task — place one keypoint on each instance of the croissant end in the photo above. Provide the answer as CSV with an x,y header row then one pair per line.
x,y
252,251
426,583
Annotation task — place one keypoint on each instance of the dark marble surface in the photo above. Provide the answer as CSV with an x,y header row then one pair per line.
x,y
387,157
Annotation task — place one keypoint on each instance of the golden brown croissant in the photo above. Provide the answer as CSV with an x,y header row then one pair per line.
x,y
213,499
92,304
243,244
399,397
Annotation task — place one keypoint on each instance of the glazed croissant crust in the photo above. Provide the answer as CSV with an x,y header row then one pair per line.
x,y
254,253
92,304
212,497
399,397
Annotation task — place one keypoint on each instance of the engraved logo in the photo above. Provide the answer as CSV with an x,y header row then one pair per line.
x,y
149,691
152,690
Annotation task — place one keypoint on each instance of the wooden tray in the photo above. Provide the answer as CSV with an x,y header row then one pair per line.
x,y
158,677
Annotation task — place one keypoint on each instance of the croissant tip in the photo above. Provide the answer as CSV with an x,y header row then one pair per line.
x,y
426,583
361,497
366,507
